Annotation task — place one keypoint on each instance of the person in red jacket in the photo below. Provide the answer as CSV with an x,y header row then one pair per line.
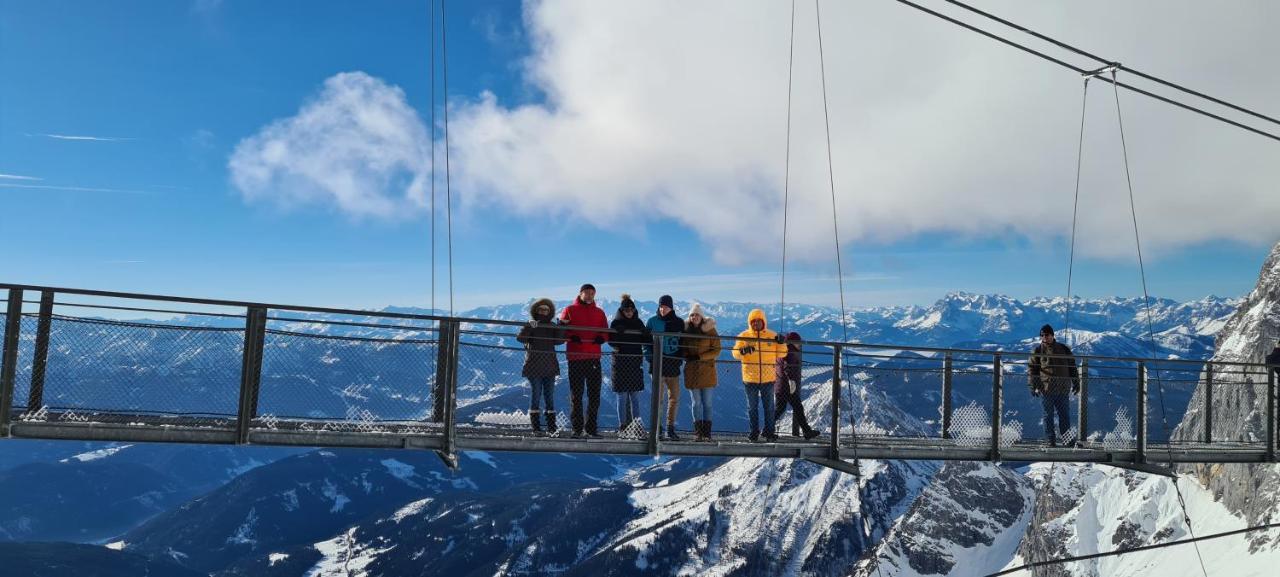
x,y
583,354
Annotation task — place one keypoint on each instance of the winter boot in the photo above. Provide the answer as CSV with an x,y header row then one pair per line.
x,y
535,419
671,432
754,436
810,434
706,431
550,416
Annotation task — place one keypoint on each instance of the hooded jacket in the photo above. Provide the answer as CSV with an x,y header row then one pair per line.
x,y
788,367
580,314
628,352
540,343
701,354
1273,359
758,365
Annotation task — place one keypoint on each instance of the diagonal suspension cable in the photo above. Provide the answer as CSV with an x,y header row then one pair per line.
x,y
1146,303
1079,70
448,188
431,133
786,179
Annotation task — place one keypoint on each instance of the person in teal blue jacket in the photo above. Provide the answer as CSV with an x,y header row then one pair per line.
x,y
667,322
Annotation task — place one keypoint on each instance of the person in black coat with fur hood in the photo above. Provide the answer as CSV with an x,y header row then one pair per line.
x,y
786,388
628,366
541,366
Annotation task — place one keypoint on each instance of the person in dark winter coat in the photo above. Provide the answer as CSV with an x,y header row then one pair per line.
x,y
666,321
1053,376
1273,359
629,338
541,366
701,349
786,388
583,353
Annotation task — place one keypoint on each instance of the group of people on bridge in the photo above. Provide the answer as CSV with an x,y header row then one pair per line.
x,y
688,347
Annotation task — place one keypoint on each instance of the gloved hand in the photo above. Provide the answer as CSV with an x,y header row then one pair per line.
x,y
575,339
793,387
747,350
779,339
599,340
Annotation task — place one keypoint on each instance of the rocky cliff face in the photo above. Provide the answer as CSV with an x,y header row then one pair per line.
x,y
1239,408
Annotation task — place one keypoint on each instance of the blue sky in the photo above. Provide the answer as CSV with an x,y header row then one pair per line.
x,y
159,94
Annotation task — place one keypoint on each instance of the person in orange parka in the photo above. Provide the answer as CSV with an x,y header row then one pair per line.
x,y
759,350
583,354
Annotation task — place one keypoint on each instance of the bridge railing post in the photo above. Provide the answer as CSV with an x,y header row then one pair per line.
x,y
1141,456
9,359
453,337
837,361
255,332
655,397
40,356
1082,429
1208,402
946,395
997,396
444,330
1271,413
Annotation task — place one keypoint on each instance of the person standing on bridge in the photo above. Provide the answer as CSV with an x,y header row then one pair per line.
x,y
1053,377
701,349
667,322
1273,359
629,338
583,354
787,388
759,350
540,338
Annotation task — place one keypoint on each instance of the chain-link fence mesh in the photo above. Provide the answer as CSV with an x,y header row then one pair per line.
x,y
116,371
1112,405
1239,405
331,376
22,373
1170,388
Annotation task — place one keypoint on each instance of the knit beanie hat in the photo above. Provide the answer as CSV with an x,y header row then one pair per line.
x,y
696,309
627,303
1046,330
793,336
587,286
666,300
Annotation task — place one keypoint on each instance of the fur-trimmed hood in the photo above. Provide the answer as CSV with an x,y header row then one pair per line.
x,y
538,303
708,325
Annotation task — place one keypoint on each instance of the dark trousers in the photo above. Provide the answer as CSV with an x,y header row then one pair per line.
x,y
1061,404
784,398
584,375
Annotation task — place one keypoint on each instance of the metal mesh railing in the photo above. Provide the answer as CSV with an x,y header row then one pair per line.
x,y
370,380
98,368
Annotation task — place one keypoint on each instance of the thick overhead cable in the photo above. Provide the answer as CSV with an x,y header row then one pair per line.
x,y
448,189
431,134
1134,549
786,179
1083,71
1104,61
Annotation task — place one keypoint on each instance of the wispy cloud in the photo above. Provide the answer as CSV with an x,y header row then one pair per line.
x,y
71,188
123,261
85,137
4,176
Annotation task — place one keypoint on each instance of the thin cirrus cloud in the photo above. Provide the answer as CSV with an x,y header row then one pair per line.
x,y
4,176
946,133
61,188
86,138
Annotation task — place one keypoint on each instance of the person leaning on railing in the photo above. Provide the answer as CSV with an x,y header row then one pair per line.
x,y
759,349
583,354
786,388
1053,376
540,337
701,349
629,338
666,321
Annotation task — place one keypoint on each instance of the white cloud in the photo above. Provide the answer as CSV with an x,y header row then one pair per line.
x,y
71,188
357,145
16,177
678,110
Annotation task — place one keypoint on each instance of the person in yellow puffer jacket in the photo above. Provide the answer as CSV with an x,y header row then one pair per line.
x,y
759,350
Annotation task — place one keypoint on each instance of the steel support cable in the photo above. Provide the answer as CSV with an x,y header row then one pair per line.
x,y
786,179
1106,62
448,188
1127,550
835,228
1079,70
1146,303
431,133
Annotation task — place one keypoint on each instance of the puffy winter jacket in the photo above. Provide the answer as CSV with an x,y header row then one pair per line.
x,y
788,369
758,365
580,314
628,342
540,343
701,354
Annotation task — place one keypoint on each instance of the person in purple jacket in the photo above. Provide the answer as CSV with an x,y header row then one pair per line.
x,y
786,388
